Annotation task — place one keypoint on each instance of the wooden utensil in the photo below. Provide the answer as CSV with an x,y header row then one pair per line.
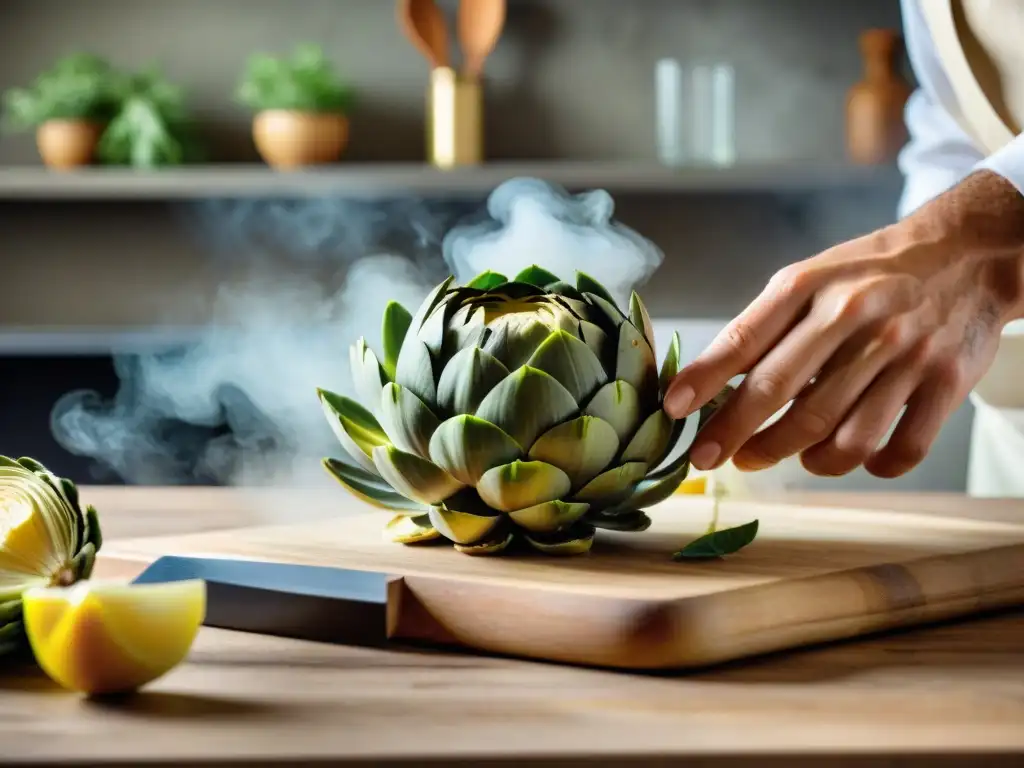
x,y
424,24
479,26
813,574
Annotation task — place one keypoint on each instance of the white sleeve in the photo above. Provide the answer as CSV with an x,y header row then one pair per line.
x,y
939,153
1008,162
938,156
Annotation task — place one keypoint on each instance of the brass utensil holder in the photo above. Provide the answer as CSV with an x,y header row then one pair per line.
x,y
454,119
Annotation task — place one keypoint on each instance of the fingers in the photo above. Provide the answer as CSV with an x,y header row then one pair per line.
x,y
778,378
741,343
860,433
820,408
919,426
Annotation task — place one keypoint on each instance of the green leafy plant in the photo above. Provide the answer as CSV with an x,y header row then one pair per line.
x,y
151,126
718,543
715,544
304,82
81,86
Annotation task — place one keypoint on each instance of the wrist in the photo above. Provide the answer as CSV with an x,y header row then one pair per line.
x,y
979,226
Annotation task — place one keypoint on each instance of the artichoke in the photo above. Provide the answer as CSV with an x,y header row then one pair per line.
x,y
45,539
526,410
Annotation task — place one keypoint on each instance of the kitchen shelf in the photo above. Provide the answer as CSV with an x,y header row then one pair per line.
x,y
85,340
397,180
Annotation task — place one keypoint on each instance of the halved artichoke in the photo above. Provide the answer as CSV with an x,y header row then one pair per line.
x,y
528,409
45,539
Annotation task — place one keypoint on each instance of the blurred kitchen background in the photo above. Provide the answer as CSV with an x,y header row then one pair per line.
x,y
111,276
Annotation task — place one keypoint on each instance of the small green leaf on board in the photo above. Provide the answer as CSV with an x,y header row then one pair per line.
x,y
719,543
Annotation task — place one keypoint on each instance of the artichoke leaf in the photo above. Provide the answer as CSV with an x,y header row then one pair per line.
x,y
640,319
581,448
635,362
604,313
586,284
415,371
371,494
671,364
600,344
571,363
94,534
427,312
683,433
466,330
650,441
466,447
514,345
487,280
411,529
429,304
522,484
394,327
433,330
81,565
612,485
578,308
489,546
626,520
12,638
407,420
618,404
653,490
467,379
516,290
464,527
566,290
527,403
10,611
534,275
368,374
577,539
549,515
414,477
355,427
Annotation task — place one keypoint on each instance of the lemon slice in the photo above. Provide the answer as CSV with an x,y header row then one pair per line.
x,y
112,637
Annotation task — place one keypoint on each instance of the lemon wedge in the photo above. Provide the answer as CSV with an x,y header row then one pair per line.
x,y
111,637
693,486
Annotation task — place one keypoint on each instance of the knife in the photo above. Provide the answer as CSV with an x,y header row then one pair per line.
x,y
306,602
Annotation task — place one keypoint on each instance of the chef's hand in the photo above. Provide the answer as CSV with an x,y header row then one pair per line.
x,y
909,315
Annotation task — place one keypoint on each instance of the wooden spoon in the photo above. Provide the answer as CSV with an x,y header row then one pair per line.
x,y
480,25
424,24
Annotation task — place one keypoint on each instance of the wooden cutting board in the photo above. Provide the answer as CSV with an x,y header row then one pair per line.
x,y
813,574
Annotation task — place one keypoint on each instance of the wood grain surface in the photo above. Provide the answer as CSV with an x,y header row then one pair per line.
x,y
929,697
814,574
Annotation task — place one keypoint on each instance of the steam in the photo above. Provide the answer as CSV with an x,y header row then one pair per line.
x,y
238,406
532,222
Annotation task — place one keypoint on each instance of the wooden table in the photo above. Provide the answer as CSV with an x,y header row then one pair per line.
x,y
948,695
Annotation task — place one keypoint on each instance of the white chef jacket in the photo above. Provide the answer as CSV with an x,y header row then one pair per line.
x,y
939,153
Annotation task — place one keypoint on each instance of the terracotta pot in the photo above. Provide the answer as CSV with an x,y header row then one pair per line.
x,y
66,144
288,139
875,127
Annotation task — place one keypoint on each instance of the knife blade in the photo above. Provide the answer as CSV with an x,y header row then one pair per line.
x,y
335,605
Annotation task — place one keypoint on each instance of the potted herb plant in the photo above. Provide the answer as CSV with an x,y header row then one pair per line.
x,y
151,127
68,106
301,107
